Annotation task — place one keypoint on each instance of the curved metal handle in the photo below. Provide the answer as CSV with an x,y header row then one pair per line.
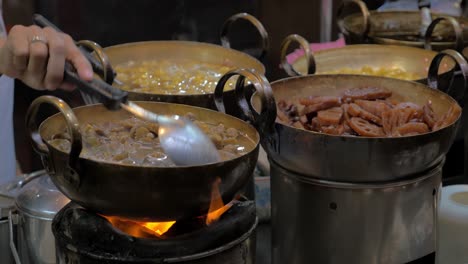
x,y
258,25
365,16
13,249
304,44
263,121
72,126
108,72
459,42
433,76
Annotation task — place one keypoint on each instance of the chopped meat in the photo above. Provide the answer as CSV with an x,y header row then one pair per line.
x,y
370,93
411,129
447,119
364,112
320,99
318,103
429,116
330,116
365,128
356,111
374,107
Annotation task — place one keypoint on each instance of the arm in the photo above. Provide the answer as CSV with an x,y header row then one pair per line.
x,y
37,57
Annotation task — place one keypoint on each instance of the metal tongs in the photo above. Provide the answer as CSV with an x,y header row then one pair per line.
x,y
183,141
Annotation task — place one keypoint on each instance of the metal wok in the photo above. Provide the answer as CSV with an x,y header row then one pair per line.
x,y
412,60
401,28
140,193
342,158
174,50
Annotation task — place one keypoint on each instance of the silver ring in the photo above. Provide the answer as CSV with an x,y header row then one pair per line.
x,y
38,38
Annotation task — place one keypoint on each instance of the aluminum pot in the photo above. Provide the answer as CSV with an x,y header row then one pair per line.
x,y
401,28
7,204
37,202
174,50
137,192
348,159
336,222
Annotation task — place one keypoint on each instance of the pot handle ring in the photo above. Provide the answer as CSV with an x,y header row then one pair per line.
x,y
433,77
107,73
264,121
257,24
365,16
304,44
459,42
73,128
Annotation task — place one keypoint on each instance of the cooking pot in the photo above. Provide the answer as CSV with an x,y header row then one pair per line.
x,y
174,50
401,28
342,158
412,60
7,204
131,191
37,202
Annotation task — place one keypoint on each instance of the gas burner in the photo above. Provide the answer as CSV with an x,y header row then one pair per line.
x,y
83,236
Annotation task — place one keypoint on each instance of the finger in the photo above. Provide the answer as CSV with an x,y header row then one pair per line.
x,y
18,45
56,63
68,86
79,61
38,55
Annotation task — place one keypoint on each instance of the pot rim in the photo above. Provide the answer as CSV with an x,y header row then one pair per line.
x,y
256,142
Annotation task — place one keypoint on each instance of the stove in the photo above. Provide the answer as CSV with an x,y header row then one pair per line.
x,y
82,236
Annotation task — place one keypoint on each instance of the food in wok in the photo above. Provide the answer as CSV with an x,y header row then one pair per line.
x,y
391,72
367,112
181,76
135,142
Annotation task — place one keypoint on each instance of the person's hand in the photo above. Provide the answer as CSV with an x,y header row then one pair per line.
x,y
37,57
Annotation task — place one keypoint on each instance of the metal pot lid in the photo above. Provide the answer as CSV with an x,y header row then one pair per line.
x,y
7,204
40,198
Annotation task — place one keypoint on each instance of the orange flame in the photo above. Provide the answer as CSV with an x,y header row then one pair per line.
x,y
148,229
217,207
140,229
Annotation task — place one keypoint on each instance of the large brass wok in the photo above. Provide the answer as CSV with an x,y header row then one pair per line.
x,y
142,193
412,60
187,50
401,28
343,158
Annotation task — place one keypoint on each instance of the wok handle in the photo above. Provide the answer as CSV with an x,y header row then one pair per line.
x,y
304,44
365,16
258,25
433,76
459,42
73,128
42,22
106,71
265,121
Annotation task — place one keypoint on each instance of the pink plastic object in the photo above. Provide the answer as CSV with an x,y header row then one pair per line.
x,y
292,57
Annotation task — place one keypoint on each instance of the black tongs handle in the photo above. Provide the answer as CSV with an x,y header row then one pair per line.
x,y
110,96
42,22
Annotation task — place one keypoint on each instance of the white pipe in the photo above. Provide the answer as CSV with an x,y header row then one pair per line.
x,y
326,18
